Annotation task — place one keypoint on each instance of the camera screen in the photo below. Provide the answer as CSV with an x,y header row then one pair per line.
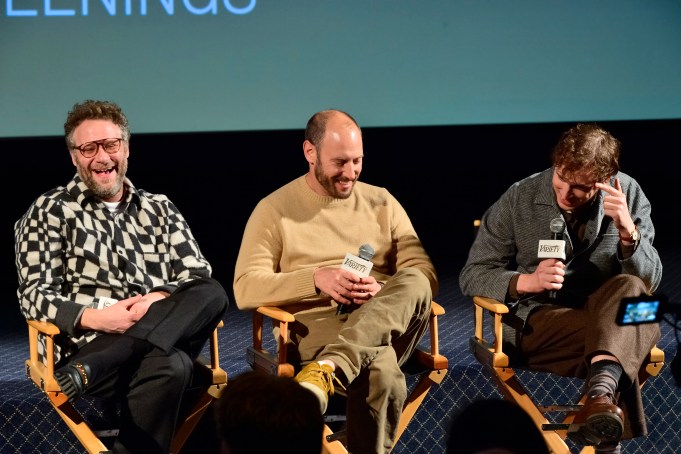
x,y
633,311
645,311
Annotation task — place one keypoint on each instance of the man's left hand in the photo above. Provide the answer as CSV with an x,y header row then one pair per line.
x,y
615,206
142,306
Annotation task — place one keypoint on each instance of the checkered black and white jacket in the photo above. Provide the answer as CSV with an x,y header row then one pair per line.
x,y
73,253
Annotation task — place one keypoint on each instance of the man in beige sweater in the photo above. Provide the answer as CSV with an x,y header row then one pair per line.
x,y
291,252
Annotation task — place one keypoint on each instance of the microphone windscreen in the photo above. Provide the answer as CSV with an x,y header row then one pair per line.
x,y
557,225
366,251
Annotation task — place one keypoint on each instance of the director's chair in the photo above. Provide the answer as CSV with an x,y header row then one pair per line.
x,y
41,374
429,365
491,355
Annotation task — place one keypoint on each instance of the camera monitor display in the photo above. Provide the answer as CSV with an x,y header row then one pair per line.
x,y
643,309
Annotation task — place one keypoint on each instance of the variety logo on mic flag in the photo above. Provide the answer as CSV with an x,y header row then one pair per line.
x,y
361,266
551,249
357,265
555,247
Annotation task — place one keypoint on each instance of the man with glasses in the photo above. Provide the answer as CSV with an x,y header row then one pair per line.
x,y
119,272
562,312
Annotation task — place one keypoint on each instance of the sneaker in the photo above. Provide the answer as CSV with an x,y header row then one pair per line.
x,y
319,379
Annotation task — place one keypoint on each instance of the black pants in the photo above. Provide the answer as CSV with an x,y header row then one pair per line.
x,y
149,389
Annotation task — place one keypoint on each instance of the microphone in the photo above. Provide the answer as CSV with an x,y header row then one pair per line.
x,y
361,266
555,247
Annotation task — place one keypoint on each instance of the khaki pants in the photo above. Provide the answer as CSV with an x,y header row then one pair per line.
x,y
368,348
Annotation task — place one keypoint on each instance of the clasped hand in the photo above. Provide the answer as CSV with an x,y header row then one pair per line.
x,y
344,286
120,316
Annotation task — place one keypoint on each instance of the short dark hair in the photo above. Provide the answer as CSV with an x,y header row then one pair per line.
x,y
262,413
91,109
587,146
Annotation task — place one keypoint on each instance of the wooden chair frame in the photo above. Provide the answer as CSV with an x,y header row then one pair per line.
x,y
41,374
434,365
491,355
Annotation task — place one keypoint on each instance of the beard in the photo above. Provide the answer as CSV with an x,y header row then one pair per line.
x,y
101,191
328,183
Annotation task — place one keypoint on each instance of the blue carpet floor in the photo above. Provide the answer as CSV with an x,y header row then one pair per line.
x,y
29,425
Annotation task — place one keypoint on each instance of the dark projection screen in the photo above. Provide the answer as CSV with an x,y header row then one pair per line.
x,y
237,65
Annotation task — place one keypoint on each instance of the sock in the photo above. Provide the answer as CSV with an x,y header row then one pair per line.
x,y
328,362
603,378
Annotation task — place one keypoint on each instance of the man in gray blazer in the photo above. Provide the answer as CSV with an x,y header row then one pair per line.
x,y
562,311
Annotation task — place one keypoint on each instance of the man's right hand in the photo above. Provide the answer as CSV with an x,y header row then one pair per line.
x,y
549,275
336,283
116,318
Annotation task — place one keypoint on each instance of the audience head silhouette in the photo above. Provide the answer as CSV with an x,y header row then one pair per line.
x,y
260,413
494,426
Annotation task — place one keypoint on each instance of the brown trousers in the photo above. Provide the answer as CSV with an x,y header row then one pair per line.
x,y
563,340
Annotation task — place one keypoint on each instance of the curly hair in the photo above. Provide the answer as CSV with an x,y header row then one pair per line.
x,y
587,147
95,110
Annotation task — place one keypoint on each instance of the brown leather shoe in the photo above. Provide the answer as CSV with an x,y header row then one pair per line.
x,y
599,421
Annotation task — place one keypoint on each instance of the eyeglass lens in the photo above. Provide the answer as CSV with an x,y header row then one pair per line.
x,y
109,145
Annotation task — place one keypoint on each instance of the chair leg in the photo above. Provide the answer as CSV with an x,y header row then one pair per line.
x,y
79,427
331,446
514,391
415,399
186,427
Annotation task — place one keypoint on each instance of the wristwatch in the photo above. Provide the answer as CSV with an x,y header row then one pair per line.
x,y
634,236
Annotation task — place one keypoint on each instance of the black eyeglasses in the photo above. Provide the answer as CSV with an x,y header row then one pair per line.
x,y
89,149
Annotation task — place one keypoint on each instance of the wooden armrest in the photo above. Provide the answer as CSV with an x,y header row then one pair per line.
x,y
282,367
435,360
260,358
219,374
490,304
498,309
656,355
436,309
47,328
276,313
42,373
653,366
486,352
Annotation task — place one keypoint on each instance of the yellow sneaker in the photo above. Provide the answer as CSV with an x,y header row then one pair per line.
x,y
319,379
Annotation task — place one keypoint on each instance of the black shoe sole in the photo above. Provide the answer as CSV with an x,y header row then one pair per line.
x,y
608,426
70,381
599,428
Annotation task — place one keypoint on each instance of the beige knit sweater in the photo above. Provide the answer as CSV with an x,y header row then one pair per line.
x,y
293,230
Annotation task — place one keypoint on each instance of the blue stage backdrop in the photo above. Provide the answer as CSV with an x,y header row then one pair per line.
x,y
236,65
